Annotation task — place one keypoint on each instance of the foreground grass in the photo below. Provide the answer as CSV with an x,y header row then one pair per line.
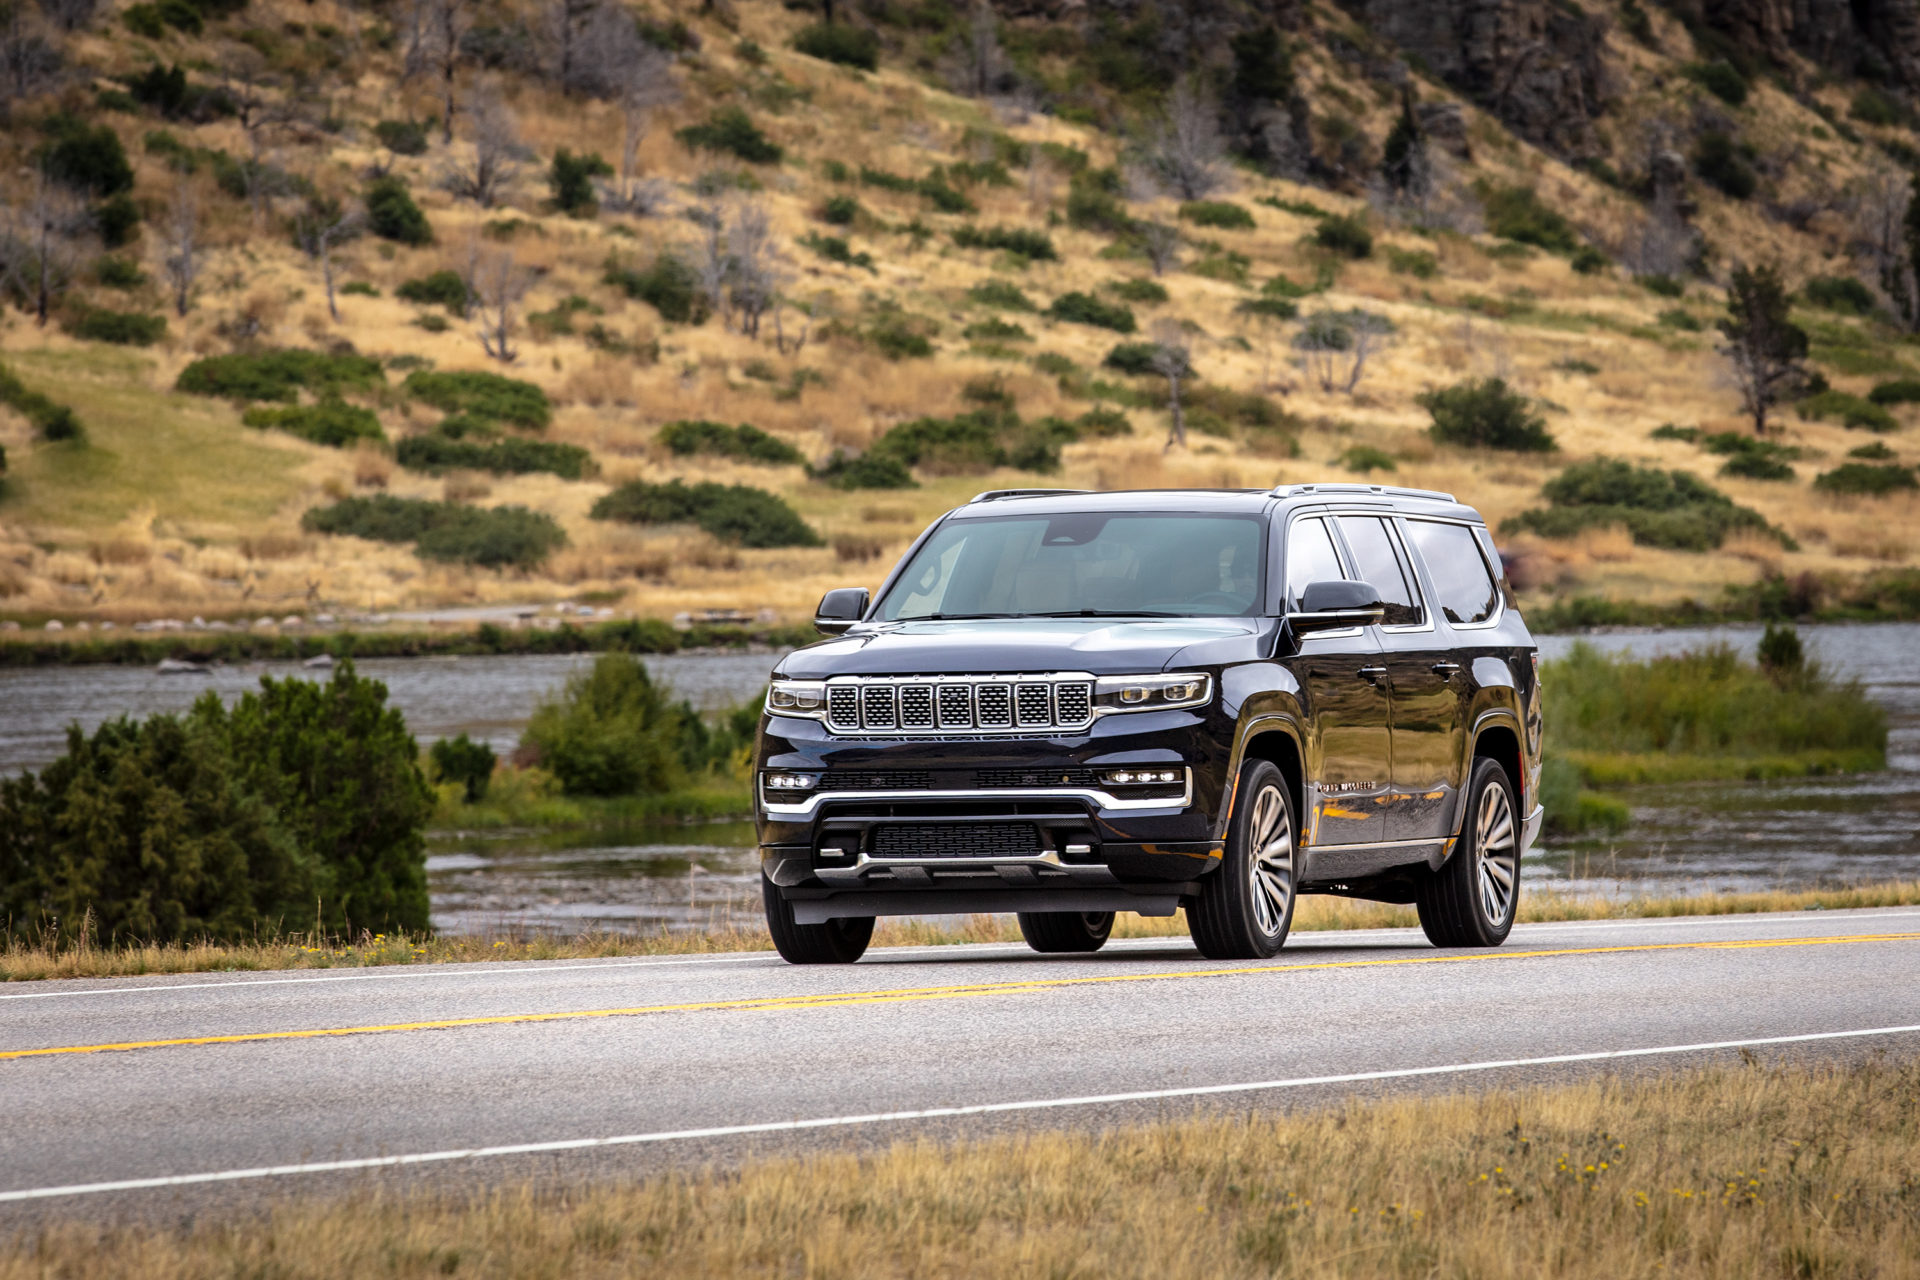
x,y
741,929
1735,1172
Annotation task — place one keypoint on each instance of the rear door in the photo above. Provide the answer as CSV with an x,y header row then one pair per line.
x,y
1344,683
1465,592
1422,675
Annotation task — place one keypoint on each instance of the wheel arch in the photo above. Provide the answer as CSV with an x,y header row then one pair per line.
x,y
1275,740
1498,740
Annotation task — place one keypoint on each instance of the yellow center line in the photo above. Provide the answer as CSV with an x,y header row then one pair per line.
x,y
831,1000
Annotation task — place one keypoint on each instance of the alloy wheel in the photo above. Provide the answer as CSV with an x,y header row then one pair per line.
x,y
1496,853
1270,866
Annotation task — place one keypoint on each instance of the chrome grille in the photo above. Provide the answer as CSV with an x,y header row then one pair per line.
x,y
959,704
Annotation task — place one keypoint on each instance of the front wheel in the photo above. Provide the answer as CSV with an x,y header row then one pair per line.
x,y
1472,899
1063,931
1245,908
835,942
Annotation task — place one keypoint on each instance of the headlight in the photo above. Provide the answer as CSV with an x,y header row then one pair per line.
x,y
797,698
1151,693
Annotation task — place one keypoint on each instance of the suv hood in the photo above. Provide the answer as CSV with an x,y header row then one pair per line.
x,y
1101,646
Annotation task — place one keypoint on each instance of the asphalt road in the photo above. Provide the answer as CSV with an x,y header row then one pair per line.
x,y
172,1094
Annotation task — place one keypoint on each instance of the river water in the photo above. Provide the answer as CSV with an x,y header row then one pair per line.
x,y
1695,836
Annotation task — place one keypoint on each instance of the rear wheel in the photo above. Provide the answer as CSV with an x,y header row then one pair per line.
x,y
1055,931
835,942
1472,899
1246,907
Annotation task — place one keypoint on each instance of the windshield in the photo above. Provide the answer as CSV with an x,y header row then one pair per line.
x,y
1088,564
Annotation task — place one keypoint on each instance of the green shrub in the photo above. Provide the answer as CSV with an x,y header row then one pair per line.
x,y
1345,235
1670,431
124,328
491,396
1720,78
1573,811
359,288
54,422
898,337
1268,308
1418,263
331,422
1084,308
1223,214
1517,214
1103,423
838,42
871,177
836,249
867,471
144,20
1365,458
1723,163
510,457
669,285
463,761
1865,478
1665,286
1679,318
1135,358
1023,241
730,131
1854,412
1871,106
967,443
118,273
1589,261
994,329
402,137
941,195
570,181
1896,391
302,800
746,442
392,214
611,732
1000,293
1144,292
441,288
1846,294
1875,452
493,537
1299,208
1092,206
732,513
1672,509
278,375
86,157
1485,414
841,211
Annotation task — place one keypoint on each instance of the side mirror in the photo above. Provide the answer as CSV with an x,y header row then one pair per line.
x,y
1336,603
839,610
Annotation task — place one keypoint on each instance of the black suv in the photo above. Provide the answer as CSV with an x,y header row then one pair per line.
x,y
1068,704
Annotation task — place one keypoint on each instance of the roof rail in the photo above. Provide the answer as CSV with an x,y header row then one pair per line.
x,y
994,495
1380,490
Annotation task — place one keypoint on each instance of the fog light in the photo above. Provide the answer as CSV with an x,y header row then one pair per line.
x,y
1141,777
790,781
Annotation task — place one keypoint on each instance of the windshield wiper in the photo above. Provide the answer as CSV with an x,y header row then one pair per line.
x,y
957,617
1103,613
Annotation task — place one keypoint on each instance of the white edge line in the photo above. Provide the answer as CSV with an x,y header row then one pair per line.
x,y
509,969
927,1113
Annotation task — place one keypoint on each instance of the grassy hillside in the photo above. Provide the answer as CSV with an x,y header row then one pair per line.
x,y
882,216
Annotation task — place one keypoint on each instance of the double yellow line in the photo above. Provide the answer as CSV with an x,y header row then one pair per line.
x,y
899,995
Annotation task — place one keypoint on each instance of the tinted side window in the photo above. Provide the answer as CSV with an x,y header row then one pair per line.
x,y
1376,560
1310,558
1465,589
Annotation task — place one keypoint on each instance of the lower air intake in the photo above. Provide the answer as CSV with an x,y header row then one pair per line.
x,y
957,840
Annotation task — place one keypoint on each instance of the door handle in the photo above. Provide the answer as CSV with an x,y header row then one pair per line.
x,y
1373,675
1445,669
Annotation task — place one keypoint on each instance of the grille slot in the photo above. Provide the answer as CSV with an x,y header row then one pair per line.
x,y
876,706
956,706
876,780
1033,705
1034,778
995,705
956,840
843,707
1073,702
916,706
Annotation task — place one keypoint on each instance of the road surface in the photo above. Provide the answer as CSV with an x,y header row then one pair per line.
x,y
173,1094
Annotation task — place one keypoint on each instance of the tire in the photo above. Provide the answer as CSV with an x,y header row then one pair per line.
x,y
835,942
1246,907
1472,899
1061,931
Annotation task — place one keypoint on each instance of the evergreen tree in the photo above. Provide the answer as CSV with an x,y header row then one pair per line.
x,y
1763,343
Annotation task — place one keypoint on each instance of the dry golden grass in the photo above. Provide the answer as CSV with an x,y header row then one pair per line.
x,y
739,927
1722,1172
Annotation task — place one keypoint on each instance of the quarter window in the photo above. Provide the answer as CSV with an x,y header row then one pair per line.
x,y
1310,558
1461,581
1378,561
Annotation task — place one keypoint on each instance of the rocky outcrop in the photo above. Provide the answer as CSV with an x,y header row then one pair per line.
x,y
1875,38
1536,65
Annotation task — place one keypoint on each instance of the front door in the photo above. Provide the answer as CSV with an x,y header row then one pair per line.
x,y
1423,676
1344,686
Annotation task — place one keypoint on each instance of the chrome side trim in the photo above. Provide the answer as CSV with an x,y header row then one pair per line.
x,y
807,807
1421,843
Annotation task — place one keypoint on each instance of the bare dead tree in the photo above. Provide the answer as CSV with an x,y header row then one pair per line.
x,y
983,63
435,29
495,162
470,276
1335,346
596,47
755,271
783,343
1172,359
1186,150
1161,243
29,62
1879,206
317,229
648,85
501,286
710,261
52,226
258,109
180,260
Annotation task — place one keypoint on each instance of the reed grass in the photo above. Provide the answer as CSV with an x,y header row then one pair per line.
x,y
735,927
1726,1172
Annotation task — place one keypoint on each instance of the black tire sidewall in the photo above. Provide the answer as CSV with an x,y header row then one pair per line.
x,y
1226,925
1487,773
